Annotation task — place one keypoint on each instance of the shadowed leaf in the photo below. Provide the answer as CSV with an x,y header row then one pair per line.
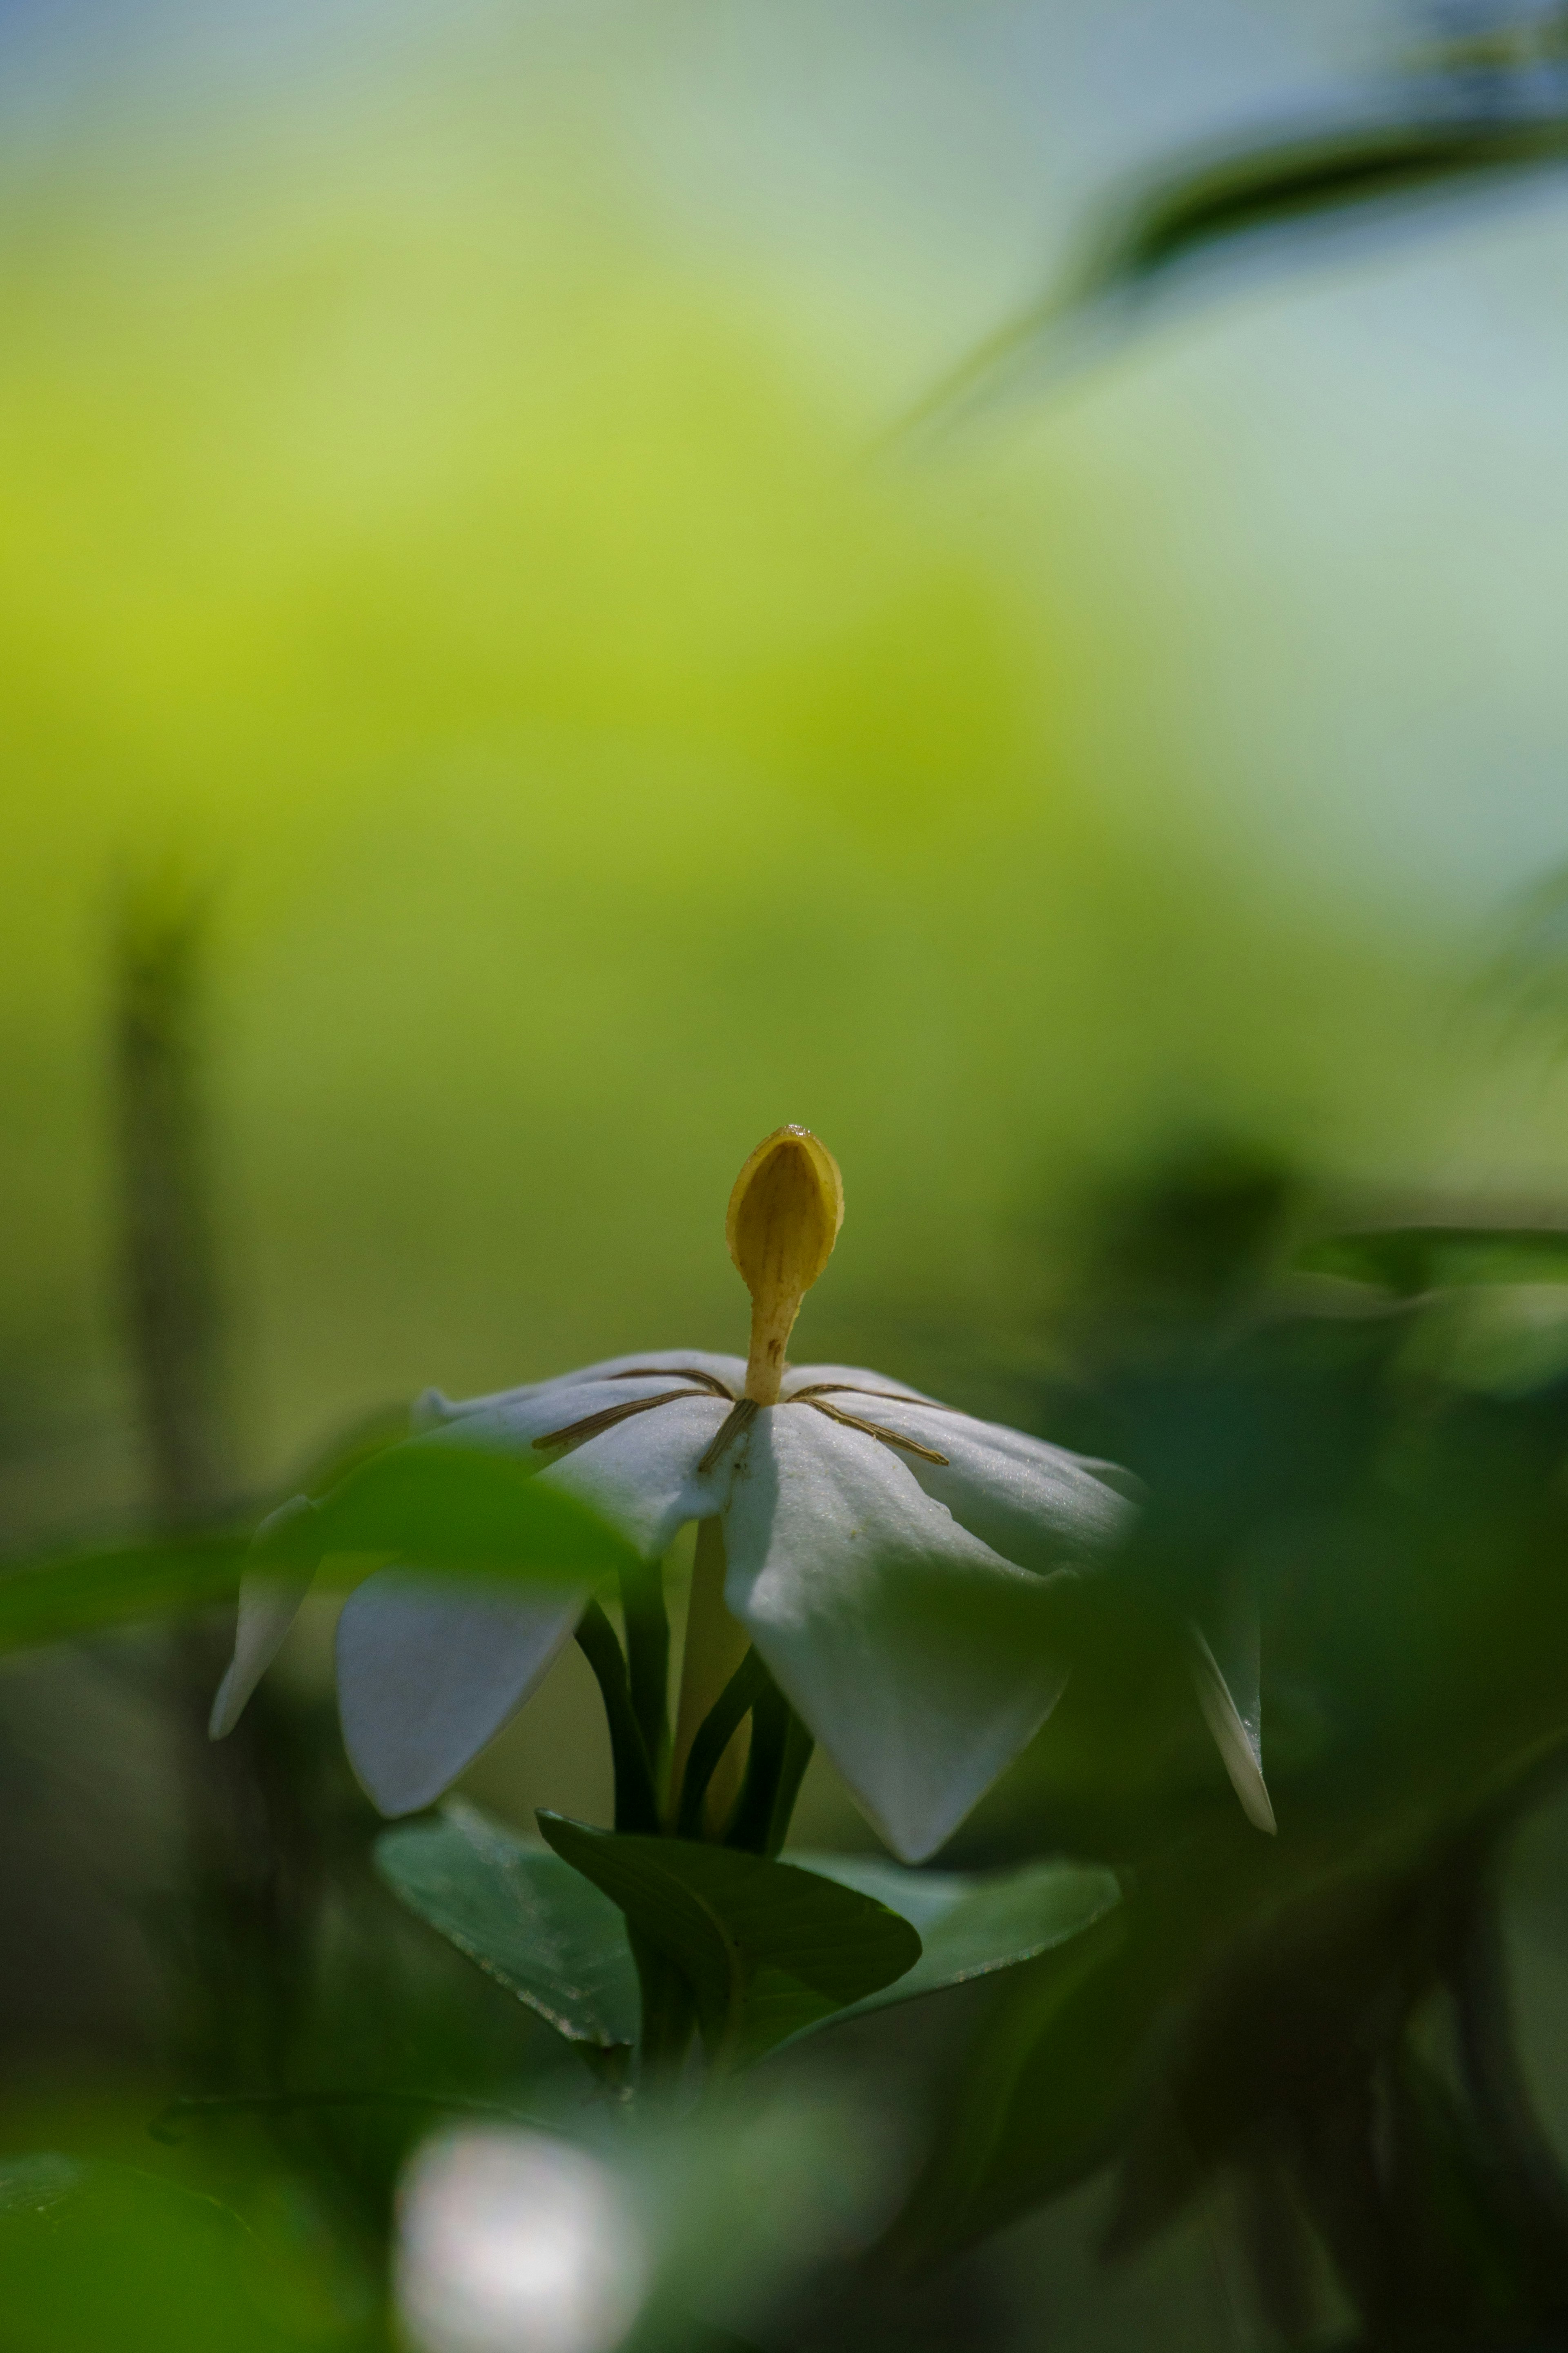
x,y
766,1948
531,1921
971,1926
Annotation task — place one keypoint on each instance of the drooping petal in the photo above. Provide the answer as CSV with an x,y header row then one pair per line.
x,y
424,1680
434,1409
1226,1677
641,1474
269,1604
919,1658
1033,1503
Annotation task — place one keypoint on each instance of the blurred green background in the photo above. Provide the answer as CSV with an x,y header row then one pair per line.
x,y
489,572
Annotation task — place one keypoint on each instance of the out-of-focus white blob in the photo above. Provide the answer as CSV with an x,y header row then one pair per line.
x,y
511,2242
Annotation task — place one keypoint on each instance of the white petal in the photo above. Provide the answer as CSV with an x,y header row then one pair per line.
x,y
730,1370
1227,1676
269,1605
424,1680
853,1376
916,1654
1033,1503
641,1474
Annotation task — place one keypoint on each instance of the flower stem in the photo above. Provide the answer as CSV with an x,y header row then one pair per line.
x,y
648,1656
714,1736
781,1751
637,1800
715,1646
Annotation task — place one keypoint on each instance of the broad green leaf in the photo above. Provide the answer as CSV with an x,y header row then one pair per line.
x,y
451,1510
98,2257
766,1947
971,1925
450,1506
1413,1258
531,1921
88,1592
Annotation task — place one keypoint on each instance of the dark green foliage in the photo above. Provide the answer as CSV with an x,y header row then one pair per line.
x,y
972,1927
104,2258
534,1923
1409,1260
766,1949
1263,2010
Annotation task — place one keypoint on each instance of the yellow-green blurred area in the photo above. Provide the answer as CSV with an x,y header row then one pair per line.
x,y
599,750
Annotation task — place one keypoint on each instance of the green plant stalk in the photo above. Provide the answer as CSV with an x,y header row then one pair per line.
x,y
637,1793
780,1752
714,1735
646,1623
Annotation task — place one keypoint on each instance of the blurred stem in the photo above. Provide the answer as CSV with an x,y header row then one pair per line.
x,y
669,2016
253,1862
637,1798
1344,2196
167,1245
1528,2175
715,1646
647,1657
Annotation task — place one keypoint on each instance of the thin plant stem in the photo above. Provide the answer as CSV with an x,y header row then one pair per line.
x,y
637,1796
715,1645
668,2015
646,1623
780,1752
255,1868
168,1251
714,1736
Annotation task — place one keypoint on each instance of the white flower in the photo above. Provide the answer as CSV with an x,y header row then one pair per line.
x,y
889,1556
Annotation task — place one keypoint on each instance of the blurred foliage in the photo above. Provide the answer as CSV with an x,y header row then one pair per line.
x,y
1484,107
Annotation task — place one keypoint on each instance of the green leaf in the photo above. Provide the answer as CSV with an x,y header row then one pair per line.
x,y
450,1506
1413,1258
98,2257
971,1926
88,1592
1209,203
531,1921
1272,185
767,1948
450,1510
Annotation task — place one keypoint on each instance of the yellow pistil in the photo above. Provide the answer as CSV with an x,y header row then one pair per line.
x,y
784,1215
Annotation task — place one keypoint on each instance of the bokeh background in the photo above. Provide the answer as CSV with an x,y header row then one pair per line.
x,y
455,514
